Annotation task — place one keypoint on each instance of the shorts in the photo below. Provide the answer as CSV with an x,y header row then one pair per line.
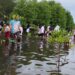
x,y
7,35
15,35
1,29
42,34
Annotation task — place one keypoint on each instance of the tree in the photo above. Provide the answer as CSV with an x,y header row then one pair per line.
x,y
69,21
46,12
43,12
20,8
6,6
58,16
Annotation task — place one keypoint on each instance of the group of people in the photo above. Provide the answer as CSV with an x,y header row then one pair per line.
x,y
11,29
47,31
44,31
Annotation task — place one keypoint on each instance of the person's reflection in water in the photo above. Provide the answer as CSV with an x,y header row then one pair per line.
x,y
47,44
6,48
19,46
61,61
18,43
41,44
10,67
9,59
27,41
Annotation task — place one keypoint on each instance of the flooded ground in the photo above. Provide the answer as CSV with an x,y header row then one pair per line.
x,y
37,57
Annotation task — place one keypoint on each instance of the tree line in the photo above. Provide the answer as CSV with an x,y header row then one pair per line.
x,y
34,12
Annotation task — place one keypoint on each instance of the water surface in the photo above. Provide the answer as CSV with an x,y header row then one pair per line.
x,y
37,57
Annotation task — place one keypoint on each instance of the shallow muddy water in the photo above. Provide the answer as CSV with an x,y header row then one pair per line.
x,y
37,57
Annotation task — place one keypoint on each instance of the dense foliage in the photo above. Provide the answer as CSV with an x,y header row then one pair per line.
x,y
59,37
6,7
44,12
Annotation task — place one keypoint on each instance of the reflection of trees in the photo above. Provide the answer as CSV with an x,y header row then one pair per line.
x,y
9,60
41,44
9,65
61,59
27,41
55,56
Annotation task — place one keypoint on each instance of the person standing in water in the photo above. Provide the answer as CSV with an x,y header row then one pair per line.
x,y
28,29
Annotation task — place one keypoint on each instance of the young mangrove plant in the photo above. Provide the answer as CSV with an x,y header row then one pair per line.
x,y
59,37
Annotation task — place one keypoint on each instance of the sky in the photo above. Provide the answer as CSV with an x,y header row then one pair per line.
x,y
68,5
